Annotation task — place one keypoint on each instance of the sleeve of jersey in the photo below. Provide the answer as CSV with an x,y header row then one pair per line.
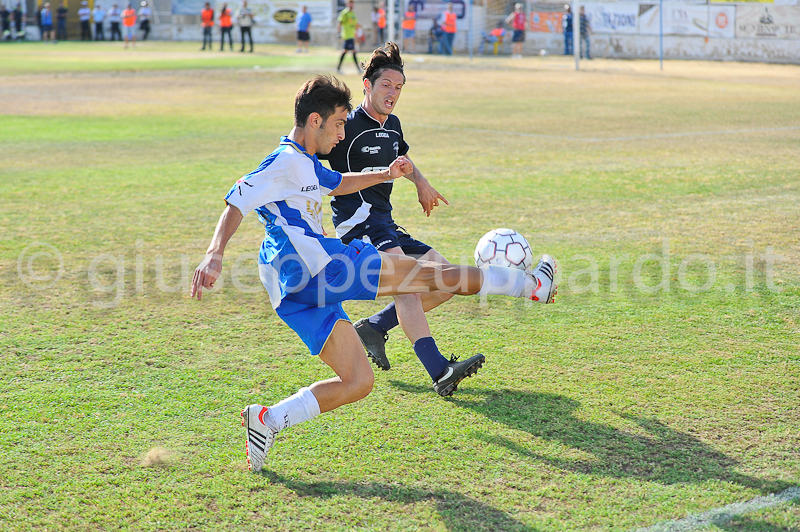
x,y
328,179
257,189
403,147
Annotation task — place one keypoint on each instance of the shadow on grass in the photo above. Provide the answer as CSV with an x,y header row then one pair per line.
x,y
663,455
745,524
457,511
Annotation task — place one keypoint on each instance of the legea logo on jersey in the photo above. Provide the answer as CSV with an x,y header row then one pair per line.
x,y
309,188
381,135
372,150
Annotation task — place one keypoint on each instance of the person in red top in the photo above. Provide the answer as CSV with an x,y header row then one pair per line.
x,y
225,25
517,21
448,23
207,22
129,22
409,29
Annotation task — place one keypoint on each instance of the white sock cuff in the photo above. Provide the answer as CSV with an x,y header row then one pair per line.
x,y
309,402
499,280
295,409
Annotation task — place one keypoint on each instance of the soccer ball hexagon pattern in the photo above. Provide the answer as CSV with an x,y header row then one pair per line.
x,y
504,247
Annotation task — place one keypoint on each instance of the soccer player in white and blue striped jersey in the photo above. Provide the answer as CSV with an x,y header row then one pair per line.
x,y
308,276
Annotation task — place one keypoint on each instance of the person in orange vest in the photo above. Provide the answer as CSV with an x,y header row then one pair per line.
x,y
448,24
225,26
379,23
207,23
409,29
129,22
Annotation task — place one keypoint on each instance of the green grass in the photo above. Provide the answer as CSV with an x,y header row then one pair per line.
x,y
614,409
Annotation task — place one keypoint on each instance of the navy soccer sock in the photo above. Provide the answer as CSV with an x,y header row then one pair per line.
x,y
385,320
429,355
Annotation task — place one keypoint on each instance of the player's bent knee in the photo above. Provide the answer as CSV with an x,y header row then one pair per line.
x,y
361,386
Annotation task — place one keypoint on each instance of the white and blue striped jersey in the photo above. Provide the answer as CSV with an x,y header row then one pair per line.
x,y
286,192
368,146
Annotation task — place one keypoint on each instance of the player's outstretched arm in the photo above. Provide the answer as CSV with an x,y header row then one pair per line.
x,y
210,268
355,181
427,195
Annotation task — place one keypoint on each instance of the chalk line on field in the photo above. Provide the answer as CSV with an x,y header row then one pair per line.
x,y
724,514
591,140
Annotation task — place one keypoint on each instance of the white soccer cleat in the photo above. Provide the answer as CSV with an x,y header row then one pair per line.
x,y
260,435
540,284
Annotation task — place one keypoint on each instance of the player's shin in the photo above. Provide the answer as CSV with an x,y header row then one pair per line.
x,y
499,280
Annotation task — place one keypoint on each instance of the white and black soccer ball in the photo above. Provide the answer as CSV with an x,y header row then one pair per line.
x,y
504,247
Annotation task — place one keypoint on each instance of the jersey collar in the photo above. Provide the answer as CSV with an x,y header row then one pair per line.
x,y
286,141
361,108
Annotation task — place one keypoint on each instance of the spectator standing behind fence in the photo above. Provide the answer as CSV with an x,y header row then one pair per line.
x,y
410,29
47,23
379,24
61,22
129,22
225,27
244,17
114,16
586,29
5,22
303,28
448,23
435,38
98,16
85,15
207,23
145,14
18,22
566,26
517,22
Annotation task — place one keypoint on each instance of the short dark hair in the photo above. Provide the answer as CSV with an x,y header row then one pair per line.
x,y
323,95
387,57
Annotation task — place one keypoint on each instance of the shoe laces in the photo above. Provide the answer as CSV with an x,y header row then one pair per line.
x,y
453,358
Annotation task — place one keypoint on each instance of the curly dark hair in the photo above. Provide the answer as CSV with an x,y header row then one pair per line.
x,y
387,57
323,95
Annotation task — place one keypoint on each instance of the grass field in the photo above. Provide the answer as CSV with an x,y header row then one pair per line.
x,y
620,407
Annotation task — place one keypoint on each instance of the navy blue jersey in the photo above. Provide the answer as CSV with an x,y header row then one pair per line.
x,y
368,146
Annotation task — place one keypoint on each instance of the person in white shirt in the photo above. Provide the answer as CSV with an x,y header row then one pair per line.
x,y
84,15
144,19
98,15
114,18
244,16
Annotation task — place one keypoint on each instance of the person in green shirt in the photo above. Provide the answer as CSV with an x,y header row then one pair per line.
x,y
348,23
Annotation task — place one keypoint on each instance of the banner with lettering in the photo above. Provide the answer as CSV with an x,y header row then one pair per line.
x,y
768,22
618,18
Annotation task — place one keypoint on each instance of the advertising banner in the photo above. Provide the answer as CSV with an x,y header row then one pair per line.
x,y
722,21
265,13
706,21
768,22
613,18
284,12
187,7
545,22
432,9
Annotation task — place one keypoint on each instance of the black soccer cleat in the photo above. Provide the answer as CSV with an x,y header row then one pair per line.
x,y
456,372
374,342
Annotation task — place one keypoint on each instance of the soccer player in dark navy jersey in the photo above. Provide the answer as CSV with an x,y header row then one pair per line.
x,y
373,139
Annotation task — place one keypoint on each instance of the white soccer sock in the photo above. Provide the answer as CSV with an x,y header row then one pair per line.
x,y
499,280
295,409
